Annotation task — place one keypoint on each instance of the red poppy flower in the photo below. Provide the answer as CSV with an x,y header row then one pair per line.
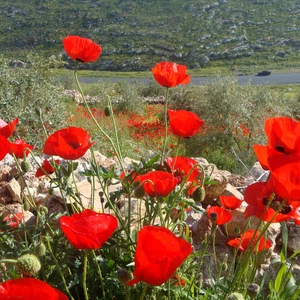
x,y
258,194
88,229
46,167
248,239
18,148
4,146
81,49
184,123
223,215
182,166
29,289
68,143
230,202
7,129
169,74
158,254
285,176
158,183
283,138
13,220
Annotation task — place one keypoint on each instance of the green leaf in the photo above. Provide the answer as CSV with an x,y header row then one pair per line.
x,y
289,289
284,233
280,274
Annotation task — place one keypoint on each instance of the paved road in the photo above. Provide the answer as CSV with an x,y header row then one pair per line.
x,y
288,78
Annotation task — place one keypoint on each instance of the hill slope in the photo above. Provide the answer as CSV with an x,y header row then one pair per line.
x,y
134,34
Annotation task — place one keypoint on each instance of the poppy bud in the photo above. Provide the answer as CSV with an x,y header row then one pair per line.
x,y
43,210
38,111
253,290
235,296
26,206
213,217
40,249
51,190
123,275
25,166
139,191
107,111
199,194
29,264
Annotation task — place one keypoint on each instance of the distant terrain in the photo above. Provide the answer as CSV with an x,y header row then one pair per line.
x,y
135,34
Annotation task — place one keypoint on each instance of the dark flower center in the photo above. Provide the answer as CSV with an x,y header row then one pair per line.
x,y
74,145
276,204
280,149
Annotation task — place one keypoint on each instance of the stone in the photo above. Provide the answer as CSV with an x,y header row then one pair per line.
x,y
14,189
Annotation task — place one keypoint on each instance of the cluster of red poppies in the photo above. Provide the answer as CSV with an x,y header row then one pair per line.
x,y
19,148
159,252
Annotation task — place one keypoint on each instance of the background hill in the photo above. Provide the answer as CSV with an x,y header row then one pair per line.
x,y
135,34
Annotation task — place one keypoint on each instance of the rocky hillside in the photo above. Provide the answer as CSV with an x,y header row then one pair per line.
x,y
135,34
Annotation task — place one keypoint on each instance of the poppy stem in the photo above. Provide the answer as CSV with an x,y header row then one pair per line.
x,y
144,291
100,274
59,269
85,261
166,126
118,154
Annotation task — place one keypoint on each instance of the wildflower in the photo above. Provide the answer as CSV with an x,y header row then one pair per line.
x,y
223,215
20,148
46,167
29,289
68,143
248,239
4,146
230,202
283,138
7,129
260,194
13,220
169,74
285,177
158,183
81,49
158,254
184,123
182,166
88,229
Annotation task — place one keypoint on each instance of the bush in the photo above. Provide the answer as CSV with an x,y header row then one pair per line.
x,y
23,90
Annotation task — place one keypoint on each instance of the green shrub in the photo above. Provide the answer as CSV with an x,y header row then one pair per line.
x,y
23,90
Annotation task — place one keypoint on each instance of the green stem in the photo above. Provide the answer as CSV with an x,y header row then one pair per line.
x,y
144,291
85,261
95,121
100,274
7,260
59,269
166,126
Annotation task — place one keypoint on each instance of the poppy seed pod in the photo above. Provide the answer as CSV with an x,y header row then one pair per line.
x,y
235,296
253,290
28,264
